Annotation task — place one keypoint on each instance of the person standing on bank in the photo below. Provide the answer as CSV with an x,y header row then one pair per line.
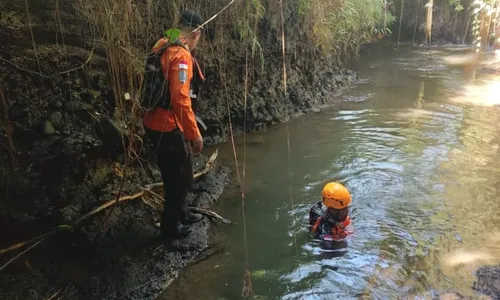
x,y
173,129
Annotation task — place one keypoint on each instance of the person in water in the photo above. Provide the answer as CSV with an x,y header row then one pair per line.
x,y
329,218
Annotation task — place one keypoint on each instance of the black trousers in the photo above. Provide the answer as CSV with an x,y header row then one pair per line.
x,y
176,169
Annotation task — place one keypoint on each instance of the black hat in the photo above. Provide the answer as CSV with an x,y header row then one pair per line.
x,y
191,18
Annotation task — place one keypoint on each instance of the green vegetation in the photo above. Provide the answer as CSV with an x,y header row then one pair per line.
x,y
339,27
485,25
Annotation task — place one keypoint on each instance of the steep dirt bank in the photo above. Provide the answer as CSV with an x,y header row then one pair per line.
x,y
61,151
119,257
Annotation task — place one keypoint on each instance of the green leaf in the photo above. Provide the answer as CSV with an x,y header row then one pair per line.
x,y
172,34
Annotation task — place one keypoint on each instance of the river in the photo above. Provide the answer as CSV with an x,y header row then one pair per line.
x,y
416,141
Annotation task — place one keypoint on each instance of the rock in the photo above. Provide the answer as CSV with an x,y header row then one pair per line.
x,y
97,80
110,132
48,128
56,118
338,78
191,199
76,96
77,81
203,200
451,296
90,96
488,281
73,106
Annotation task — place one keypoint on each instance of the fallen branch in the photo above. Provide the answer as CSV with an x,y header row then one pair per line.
x,y
108,204
204,255
55,295
211,214
40,237
145,191
208,166
19,255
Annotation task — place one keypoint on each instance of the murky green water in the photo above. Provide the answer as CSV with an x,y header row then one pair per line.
x,y
423,169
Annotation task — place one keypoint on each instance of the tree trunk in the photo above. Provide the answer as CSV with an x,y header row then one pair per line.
x,y
466,31
428,23
400,21
417,19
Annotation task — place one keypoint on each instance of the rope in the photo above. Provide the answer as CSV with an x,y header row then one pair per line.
x,y
285,94
246,290
247,280
213,17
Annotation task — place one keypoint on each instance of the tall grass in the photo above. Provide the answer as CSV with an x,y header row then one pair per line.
x,y
340,27
126,30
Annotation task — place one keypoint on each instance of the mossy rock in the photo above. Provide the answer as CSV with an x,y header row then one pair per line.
x,y
48,128
73,106
56,118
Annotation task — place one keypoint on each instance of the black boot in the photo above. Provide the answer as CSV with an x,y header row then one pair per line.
x,y
179,232
190,217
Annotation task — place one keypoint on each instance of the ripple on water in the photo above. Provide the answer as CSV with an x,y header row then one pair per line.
x,y
358,98
413,167
333,274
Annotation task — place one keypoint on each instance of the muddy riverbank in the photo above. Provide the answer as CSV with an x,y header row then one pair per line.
x,y
62,150
62,153
115,256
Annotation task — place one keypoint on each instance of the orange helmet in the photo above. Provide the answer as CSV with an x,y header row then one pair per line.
x,y
335,195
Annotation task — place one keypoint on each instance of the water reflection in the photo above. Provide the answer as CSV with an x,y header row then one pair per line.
x,y
423,172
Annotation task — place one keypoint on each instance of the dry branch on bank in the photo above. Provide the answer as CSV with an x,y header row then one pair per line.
x,y
148,196
212,215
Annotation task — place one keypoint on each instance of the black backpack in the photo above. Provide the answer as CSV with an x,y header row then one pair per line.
x,y
154,91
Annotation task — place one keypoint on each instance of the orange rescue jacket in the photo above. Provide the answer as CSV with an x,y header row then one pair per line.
x,y
338,231
176,62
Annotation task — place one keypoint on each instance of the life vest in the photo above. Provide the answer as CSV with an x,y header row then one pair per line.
x,y
331,231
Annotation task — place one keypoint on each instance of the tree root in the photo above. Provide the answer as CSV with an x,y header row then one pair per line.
x,y
147,194
204,254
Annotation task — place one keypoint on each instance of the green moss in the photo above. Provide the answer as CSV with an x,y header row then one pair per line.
x,y
99,173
